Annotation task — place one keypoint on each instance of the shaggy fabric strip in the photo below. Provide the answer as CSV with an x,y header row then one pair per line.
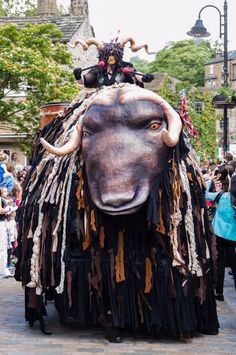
x,y
194,266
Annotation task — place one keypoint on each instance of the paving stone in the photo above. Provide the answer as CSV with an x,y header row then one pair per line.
x,y
17,338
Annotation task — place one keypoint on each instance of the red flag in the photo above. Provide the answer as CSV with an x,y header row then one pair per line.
x,y
186,119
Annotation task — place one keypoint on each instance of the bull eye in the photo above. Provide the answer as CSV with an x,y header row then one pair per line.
x,y
154,126
86,134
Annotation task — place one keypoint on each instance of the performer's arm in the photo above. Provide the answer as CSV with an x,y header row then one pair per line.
x,y
89,80
129,70
77,74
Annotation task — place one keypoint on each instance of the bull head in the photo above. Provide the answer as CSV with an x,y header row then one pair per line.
x,y
124,144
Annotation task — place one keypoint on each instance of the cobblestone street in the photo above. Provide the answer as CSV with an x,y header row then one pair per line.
x,y
17,338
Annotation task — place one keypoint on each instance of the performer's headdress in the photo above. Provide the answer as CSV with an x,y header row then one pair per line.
x,y
105,49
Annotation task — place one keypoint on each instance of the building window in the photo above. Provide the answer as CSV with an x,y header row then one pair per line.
x,y
211,84
234,71
221,124
211,69
233,138
199,106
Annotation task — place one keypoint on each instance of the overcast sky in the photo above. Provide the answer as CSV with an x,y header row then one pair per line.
x,y
156,22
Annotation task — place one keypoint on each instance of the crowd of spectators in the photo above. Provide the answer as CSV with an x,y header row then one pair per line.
x,y
221,200
12,175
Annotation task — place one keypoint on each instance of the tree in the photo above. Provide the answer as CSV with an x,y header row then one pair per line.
x,y
18,8
141,65
31,62
183,60
26,8
205,124
204,120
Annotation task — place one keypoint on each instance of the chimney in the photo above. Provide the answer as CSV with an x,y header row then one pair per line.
x,y
47,7
79,8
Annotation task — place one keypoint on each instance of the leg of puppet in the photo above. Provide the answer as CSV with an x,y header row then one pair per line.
x,y
112,333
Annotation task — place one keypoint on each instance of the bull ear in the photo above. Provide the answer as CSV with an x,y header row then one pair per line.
x,y
70,146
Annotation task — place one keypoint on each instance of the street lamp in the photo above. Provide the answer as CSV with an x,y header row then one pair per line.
x,y
198,30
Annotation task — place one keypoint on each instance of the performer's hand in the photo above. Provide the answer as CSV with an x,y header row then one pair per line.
x,y
147,78
128,71
77,73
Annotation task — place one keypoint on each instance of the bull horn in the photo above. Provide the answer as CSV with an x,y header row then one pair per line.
x,y
87,43
69,147
170,136
133,45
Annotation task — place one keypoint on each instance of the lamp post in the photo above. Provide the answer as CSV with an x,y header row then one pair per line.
x,y
198,30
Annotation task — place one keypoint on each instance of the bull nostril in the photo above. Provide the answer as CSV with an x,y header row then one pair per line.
x,y
117,199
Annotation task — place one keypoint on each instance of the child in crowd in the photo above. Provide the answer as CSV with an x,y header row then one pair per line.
x,y
4,210
3,166
11,237
17,194
6,178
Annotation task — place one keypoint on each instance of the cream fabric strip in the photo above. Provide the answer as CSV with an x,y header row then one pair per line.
x,y
193,266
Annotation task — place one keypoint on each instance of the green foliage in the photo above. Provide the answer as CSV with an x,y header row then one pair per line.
x,y
205,123
141,65
31,64
18,8
26,8
167,94
228,93
183,60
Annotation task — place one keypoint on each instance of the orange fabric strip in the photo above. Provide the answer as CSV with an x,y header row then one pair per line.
x,y
161,228
148,277
79,191
87,236
101,237
119,267
92,221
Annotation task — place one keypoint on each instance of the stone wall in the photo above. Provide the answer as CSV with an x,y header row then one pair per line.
x,y
47,7
83,58
79,8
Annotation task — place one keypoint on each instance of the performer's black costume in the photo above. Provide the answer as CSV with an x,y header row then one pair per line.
x,y
98,77
121,72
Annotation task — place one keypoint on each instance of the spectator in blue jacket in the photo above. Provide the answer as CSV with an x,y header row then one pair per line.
x,y
224,226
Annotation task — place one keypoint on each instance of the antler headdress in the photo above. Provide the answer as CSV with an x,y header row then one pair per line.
x,y
101,45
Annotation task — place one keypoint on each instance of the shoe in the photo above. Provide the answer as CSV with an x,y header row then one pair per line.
x,y
113,334
209,332
219,297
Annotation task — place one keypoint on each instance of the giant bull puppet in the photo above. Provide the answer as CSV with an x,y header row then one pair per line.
x,y
113,222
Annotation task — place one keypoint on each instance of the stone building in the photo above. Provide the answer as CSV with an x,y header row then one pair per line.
x,y
159,81
213,81
74,25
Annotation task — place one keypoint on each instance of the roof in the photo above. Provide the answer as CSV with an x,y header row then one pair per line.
x,y
67,24
159,78
5,129
8,135
220,57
